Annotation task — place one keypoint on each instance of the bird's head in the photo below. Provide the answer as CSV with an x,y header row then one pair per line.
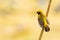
x,y
39,12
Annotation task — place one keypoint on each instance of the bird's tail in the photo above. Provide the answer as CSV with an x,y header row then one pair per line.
x,y
47,29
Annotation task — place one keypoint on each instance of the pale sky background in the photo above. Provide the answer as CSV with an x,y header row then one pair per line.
x,y
18,20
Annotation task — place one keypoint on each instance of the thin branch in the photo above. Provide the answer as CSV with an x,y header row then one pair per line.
x,y
48,8
42,31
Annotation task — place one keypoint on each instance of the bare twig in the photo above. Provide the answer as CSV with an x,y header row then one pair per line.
x,y
48,8
42,31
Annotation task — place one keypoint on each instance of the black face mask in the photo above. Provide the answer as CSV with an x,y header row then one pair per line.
x,y
38,13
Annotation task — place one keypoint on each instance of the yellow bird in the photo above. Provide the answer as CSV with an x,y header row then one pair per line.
x,y
43,21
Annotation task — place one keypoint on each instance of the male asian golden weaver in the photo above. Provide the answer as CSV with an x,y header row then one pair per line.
x,y
43,21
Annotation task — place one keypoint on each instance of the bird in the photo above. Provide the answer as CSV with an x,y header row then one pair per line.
x,y
43,22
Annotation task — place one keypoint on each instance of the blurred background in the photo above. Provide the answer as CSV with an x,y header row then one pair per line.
x,y
18,19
